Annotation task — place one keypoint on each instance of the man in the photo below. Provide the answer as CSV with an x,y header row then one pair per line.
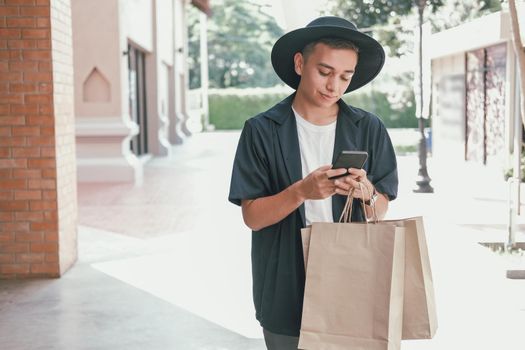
x,y
282,166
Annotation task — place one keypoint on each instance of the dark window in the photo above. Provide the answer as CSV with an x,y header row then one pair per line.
x,y
137,99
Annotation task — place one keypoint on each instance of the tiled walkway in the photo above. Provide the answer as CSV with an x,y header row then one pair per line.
x,y
167,265
178,194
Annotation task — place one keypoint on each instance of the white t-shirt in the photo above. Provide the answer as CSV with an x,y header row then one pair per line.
x,y
316,143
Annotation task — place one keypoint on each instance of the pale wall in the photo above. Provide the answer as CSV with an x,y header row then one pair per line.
x,y
103,29
481,32
448,106
95,44
447,51
165,30
136,22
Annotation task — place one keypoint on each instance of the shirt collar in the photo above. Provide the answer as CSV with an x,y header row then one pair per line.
x,y
283,110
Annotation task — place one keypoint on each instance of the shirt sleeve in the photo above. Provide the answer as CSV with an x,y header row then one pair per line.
x,y
384,165
250,174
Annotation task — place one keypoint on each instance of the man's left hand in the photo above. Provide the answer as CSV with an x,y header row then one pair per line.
x,y
352,180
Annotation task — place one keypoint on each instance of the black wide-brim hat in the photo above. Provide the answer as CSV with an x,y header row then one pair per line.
x,y
371,54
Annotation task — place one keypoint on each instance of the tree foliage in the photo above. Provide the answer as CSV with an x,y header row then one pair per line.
x,y
368,13
393,22
456,12
388,20
240,38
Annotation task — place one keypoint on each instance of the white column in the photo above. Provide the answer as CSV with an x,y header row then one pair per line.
x,y
204,72
178,71
184,85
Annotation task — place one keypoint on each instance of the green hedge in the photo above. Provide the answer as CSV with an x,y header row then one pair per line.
x,y
377,102
229,111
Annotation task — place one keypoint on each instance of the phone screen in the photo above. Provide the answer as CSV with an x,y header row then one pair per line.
x,y
349,159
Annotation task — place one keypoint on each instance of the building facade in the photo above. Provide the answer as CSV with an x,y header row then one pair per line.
x,y
98,84
475,92
130,84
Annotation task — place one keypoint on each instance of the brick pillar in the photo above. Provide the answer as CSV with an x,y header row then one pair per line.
x,y
38,207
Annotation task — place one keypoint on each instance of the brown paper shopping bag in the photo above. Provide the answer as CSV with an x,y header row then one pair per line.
x,y
419,306
305,237
354,287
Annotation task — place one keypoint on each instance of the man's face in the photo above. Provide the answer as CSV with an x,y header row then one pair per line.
x,y
325,74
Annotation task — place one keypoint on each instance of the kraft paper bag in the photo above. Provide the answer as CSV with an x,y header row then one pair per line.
x,y
354,287
419,306
305,237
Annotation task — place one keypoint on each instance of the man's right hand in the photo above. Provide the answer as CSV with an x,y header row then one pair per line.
x,y
265,211
317,184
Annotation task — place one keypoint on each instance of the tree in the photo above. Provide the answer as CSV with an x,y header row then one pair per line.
x,y
388,16
380,12
392,22
240,38
456,12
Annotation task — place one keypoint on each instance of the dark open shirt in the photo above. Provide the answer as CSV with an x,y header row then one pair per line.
x,y
267,161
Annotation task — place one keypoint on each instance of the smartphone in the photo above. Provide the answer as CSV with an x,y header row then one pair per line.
x,y
349,159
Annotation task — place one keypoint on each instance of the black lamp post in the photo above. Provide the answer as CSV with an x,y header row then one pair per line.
x,y
422,180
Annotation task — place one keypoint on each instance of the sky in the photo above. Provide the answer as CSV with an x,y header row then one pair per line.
x,y
293,14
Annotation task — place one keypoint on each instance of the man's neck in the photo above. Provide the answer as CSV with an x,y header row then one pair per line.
x,y
315,114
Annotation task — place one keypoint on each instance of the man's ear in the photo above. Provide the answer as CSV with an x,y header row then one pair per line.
x,y
298,63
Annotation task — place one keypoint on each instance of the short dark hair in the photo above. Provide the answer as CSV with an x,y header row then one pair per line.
x,y
335,43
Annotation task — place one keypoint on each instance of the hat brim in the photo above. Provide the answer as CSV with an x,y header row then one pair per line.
x,y
371,54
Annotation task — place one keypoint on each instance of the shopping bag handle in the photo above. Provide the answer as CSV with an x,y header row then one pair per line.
x,y
346,215
347,209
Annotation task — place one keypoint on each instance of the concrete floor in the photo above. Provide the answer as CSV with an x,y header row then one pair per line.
x,y
167,265
156,268
88,309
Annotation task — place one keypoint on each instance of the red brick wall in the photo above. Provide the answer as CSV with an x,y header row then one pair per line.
x,y
37,163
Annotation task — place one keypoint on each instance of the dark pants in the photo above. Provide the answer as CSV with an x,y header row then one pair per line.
x,y
280,342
